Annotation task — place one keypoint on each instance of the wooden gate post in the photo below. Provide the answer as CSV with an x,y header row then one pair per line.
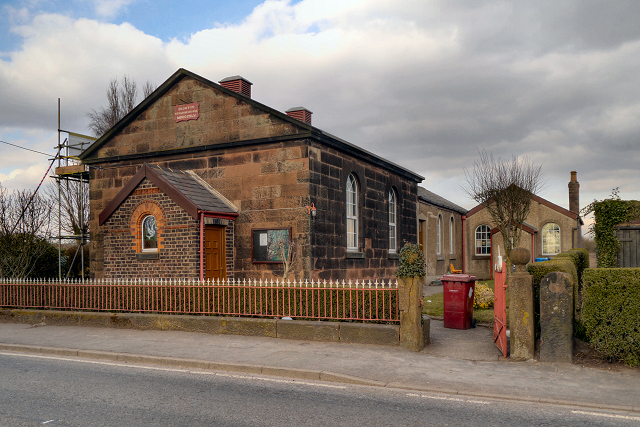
x,y
521,314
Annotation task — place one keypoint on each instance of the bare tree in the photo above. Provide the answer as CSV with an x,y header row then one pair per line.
x,y
25,220
74,205
122,99
288,252
505,188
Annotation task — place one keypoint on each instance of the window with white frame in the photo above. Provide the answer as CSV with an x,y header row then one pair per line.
x,y
483,240
550,239
352,213
149,233
439,234
451,234
393,233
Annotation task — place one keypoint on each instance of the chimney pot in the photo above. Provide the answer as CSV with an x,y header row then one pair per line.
x,y
300,113
237,84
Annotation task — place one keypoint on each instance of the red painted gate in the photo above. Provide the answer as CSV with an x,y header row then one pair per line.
x,y
500,308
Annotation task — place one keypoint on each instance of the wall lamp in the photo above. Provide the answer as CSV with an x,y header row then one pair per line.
x,y
311,210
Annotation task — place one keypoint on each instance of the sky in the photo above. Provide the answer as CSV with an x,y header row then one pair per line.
x,y
423,83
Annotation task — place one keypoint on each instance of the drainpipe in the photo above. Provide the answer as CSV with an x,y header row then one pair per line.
x,y
464,267
201,245
533,246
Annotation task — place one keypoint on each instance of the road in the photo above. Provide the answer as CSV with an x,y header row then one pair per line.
x,y
37,390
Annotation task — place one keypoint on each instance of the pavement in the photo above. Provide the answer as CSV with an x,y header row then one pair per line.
x,y
460,362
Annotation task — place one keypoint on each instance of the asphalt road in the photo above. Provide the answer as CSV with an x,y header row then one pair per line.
x,y
40,390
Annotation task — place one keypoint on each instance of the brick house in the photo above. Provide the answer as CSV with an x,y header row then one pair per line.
x,y
548,230
196,156
439,232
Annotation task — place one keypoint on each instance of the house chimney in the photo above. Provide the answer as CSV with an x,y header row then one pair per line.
x,y
237,84
574,193
300,113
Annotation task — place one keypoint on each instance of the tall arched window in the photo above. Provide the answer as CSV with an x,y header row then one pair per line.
x,y
393,233
451,234
149,233
439,233
483,240
550,239
352,213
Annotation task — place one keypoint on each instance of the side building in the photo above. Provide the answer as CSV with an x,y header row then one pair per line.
x,y
200,180
548,230
440,232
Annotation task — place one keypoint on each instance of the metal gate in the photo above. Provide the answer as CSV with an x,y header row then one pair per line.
x,y
629,253
500,307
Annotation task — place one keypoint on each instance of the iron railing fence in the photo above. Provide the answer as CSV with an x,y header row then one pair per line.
x,y
368,301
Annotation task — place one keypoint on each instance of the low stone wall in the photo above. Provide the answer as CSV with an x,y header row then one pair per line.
x,y
352,332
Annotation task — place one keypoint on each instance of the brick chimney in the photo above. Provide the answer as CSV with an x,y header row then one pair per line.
x,y
300,113
237,84
574,193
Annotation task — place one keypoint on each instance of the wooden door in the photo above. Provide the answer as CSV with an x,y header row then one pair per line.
x,y
214,252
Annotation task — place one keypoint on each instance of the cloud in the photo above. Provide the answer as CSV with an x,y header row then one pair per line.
x,y
110,8
422,83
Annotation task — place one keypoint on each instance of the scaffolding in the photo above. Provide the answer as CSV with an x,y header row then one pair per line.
x,y
72,179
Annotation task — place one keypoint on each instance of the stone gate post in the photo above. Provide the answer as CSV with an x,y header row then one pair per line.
x,y
521,314
556,318
409,293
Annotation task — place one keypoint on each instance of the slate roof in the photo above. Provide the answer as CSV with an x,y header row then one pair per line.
x,y
185,188
433,199
194,188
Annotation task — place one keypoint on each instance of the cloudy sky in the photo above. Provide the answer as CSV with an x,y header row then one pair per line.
x,y
423,83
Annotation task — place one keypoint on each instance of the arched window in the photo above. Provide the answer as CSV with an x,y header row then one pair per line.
x,y
451,234
352,213
393,233
439,234
550,239
483,240
149,233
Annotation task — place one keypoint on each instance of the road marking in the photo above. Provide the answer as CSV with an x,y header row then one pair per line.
x,y
453,399
188,371
600,414
47,422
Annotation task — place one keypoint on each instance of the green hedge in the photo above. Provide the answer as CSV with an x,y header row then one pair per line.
x,y
540,269
611,312
579,257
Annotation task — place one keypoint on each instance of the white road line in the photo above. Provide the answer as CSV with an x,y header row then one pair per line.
x,y
189,371
600,414
453,399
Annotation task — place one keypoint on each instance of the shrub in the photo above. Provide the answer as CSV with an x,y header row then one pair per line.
x,y
611,312
412,262
540,269
580,259
483,297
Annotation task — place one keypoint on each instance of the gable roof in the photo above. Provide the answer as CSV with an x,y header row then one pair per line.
x,y
306,130
431,198
187,189
538,199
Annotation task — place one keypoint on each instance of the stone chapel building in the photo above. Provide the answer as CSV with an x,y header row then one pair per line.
x,y
200,180
548,230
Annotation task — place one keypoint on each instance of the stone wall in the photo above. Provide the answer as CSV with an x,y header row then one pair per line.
x,y
329,172
269,184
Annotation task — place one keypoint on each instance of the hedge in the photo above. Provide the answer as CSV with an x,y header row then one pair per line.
x,y
579,257
540,269
611,312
